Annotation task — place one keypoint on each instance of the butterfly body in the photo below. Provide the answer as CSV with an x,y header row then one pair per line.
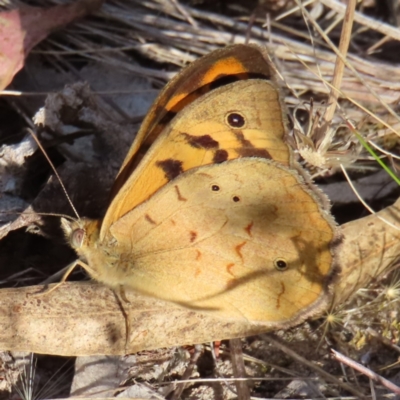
x,y
215,215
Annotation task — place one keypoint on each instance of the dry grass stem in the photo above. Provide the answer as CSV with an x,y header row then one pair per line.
x,y
370,23
366,371
339,67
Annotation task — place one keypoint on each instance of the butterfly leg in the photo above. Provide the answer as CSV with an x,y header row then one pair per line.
x,y
121,298
128,329
70,268
123,295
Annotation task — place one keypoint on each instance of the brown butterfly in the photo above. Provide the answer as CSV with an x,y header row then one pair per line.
x,y
209,210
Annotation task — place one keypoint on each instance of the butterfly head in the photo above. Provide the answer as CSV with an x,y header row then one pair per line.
x,y
80,233
100,260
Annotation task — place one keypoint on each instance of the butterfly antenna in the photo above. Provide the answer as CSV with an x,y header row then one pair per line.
x,y
54,170
38,213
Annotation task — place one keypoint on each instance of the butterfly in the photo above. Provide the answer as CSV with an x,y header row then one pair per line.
x,y
209,209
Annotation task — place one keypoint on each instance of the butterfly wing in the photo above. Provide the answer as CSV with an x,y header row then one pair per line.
x,y
241,119
245,239
217,68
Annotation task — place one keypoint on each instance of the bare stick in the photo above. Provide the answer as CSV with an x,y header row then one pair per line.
x,y
312,366
366,371
235,346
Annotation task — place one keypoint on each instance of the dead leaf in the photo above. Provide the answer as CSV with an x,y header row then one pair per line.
x,y
23,28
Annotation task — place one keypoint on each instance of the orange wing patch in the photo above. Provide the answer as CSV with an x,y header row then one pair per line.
x,y
229,268
198,255
226,67
248,228
238,249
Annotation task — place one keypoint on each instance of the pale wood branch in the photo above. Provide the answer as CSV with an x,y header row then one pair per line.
x,y
86,318
370,248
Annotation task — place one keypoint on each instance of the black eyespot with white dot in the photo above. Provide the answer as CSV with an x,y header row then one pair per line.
x,y
235,120
281,264
215,188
